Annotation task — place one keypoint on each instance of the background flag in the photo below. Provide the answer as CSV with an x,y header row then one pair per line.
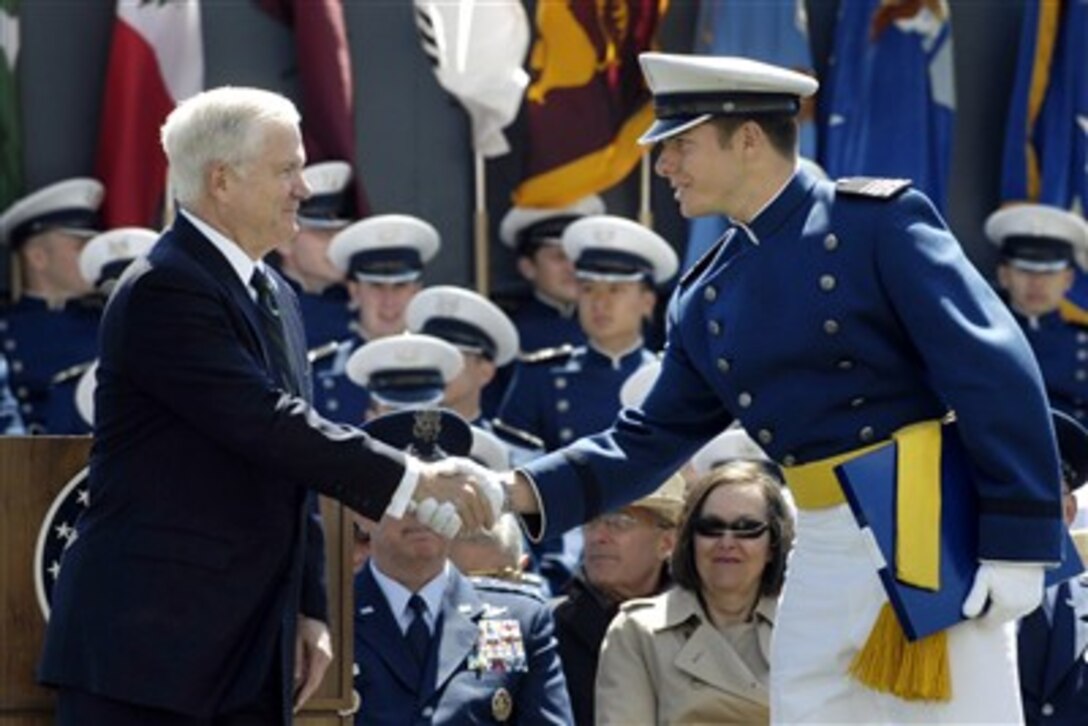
x,y
477,50
324,66
156,60
889,100
11,148
772,32
587,104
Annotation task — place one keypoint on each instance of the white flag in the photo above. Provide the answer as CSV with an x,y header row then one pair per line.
x,y
477,48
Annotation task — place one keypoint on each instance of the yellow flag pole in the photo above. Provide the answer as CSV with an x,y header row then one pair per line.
x,y
482,249
645,215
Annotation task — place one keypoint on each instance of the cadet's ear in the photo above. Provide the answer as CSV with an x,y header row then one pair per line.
x,y
751,135
526,268
1003,276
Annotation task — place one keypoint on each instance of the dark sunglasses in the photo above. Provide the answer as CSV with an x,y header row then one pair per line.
x,y
743,528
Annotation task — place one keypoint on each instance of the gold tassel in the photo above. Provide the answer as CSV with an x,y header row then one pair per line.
x,y
890,663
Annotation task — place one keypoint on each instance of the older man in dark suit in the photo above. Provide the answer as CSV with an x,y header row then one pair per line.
x,y
194,591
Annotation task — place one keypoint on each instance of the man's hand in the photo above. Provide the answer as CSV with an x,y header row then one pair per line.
x,y
448,500
1012,589
313,653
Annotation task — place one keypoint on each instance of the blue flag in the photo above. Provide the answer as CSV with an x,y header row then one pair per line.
x,y
889,99
772,31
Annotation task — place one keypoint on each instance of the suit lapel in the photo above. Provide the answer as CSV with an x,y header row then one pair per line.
x,y
381,633
461,612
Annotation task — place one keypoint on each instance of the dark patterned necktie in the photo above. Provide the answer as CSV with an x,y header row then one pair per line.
x,y
418,634
272,323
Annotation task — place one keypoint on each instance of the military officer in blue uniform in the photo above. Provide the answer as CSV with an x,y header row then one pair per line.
x,y
304,260
1039,246
433,646
1053,640
402,372
382,258
828,318
11,422
52,325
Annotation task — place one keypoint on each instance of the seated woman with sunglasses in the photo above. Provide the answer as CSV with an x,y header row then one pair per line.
x,y
698,653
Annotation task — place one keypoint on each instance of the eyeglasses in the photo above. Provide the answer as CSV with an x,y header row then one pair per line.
x,y
743,528
624,521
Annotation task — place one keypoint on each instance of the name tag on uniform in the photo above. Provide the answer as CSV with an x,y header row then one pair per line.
x,y
499,647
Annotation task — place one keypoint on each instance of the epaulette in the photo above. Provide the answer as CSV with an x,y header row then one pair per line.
x,y
500,582
513,435
702,263
322,352
871,187
547,355
70,373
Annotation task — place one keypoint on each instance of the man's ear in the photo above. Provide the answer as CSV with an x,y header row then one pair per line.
x,y
218,178
526,268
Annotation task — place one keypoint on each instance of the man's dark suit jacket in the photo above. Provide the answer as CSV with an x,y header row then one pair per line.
x,y
201,543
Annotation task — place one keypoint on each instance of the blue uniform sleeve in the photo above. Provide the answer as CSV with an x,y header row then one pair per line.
x,y
643,448
982,367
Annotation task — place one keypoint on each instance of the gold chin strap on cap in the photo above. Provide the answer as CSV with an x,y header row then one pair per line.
x,y
888,662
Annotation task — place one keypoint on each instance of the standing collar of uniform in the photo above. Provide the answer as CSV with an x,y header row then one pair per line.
x,y
1035,322
565,309
397,595
617,360
238,259
775,212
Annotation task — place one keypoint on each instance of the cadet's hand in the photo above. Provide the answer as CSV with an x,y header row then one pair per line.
x,y
1011,589
489,482
313,653
448,501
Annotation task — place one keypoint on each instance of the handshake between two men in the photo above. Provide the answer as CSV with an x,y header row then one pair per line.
x,y
458,494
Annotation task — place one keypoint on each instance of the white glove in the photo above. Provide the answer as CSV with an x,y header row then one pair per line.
x,y
442,518
489,482
1012,589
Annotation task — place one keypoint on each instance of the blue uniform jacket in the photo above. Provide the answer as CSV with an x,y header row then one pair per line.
x,y
1062,700
542,326
838,320
467,678
39,344
335,396
325,316
201,542
1061,348
569,394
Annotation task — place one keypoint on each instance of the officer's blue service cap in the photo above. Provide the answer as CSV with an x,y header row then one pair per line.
x,y
405,371
70,205
329,205
428,434
105,257
526,228
387,248
1072,448
618,250
489,450
689,89
1038,238
466,319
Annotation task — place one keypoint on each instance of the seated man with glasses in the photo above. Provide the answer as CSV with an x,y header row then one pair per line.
x,y
626,556
699,653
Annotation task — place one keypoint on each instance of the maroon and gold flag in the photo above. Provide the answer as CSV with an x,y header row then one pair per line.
x,y
588,103
324,67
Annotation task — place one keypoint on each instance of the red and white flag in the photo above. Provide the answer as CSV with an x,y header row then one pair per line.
x,y
156,60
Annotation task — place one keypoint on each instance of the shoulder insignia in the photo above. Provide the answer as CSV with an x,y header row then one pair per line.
x,y
871,187
504,582
71,373
323,351
516,436
547,355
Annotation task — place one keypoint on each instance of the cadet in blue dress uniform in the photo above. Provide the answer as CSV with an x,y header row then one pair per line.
x,y
827,318
404,372
51,326
382,258
1038,257
1053,640
433,646
304,260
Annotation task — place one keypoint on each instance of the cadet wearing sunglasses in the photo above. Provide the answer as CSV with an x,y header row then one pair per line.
x,y
699,652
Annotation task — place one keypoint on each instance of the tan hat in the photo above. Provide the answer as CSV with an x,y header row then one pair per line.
x,y
667,501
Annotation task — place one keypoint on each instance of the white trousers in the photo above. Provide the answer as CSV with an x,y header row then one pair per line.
x,y
831,600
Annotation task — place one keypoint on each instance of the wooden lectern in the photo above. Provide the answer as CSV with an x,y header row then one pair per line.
x,y
33,470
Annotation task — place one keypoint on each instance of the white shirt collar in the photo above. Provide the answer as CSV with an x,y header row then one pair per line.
x,y
397,595
236,257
